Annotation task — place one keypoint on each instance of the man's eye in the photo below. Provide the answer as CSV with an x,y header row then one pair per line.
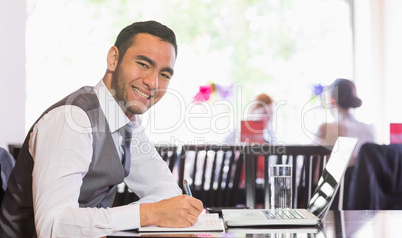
x,y
166,76
142,65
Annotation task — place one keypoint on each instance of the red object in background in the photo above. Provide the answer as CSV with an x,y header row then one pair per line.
x,y
252,132
395,132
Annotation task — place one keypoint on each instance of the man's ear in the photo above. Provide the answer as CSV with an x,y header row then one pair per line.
x,y
112,58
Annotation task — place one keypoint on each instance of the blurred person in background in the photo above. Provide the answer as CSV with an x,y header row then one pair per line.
x,y
261,109
343,98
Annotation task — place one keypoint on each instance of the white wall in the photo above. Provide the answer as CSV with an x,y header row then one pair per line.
x,y
368,55
392,61
12,71
378,70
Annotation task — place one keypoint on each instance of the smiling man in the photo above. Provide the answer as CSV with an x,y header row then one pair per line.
x,y
74,156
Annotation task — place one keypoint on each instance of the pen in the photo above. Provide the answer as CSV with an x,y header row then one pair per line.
x,y
187,188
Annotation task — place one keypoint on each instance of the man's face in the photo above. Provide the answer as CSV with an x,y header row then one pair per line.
x,y
142,77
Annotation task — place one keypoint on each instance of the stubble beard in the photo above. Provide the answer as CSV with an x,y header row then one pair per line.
x,y
121,94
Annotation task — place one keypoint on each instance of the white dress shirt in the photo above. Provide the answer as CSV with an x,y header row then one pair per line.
x,y
61,147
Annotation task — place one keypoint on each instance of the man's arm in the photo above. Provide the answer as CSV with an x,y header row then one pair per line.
x,y
61,146
150,177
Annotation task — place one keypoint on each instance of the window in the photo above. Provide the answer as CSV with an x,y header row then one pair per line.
x,y
242,48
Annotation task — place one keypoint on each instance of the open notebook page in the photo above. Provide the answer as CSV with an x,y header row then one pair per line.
x,y
206,222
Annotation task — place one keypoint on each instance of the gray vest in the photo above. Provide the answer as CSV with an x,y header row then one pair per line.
x,y
99,184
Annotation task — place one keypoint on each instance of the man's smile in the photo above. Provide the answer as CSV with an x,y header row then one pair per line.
x,y
141,93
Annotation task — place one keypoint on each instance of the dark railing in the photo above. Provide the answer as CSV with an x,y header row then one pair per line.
x,y
214,173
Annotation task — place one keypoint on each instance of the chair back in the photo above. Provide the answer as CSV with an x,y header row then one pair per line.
x,y
376,179
213,172
308,162
174,157
7,163
1,190
14,150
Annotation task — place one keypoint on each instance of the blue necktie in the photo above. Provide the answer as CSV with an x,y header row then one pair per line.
x,y
126,132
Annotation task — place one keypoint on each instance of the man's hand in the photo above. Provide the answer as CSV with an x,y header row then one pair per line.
x,y
179,211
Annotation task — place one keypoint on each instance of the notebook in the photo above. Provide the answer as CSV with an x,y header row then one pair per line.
x,y
319,204
205,223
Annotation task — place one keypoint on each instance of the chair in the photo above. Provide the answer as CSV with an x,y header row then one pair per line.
x,y
308,162
7,163
376,179
213,172
14,150
173,155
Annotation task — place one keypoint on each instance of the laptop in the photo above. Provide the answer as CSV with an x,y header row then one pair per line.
x,y
319,204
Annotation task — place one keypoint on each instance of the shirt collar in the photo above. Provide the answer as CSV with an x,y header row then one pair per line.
x,y
113,112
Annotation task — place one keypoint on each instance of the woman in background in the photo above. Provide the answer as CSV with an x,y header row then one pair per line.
x,y
344,97
344,100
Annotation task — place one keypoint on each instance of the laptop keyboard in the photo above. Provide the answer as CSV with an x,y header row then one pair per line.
x,y
283,214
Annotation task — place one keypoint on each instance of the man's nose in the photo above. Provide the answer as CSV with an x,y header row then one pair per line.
x,y
152,81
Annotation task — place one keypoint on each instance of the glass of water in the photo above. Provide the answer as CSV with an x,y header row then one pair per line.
x,y
281,186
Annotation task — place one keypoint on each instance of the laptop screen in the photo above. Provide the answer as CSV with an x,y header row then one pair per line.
x,y
331,176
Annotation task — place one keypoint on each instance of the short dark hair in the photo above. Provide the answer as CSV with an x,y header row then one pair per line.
x,y
126,37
